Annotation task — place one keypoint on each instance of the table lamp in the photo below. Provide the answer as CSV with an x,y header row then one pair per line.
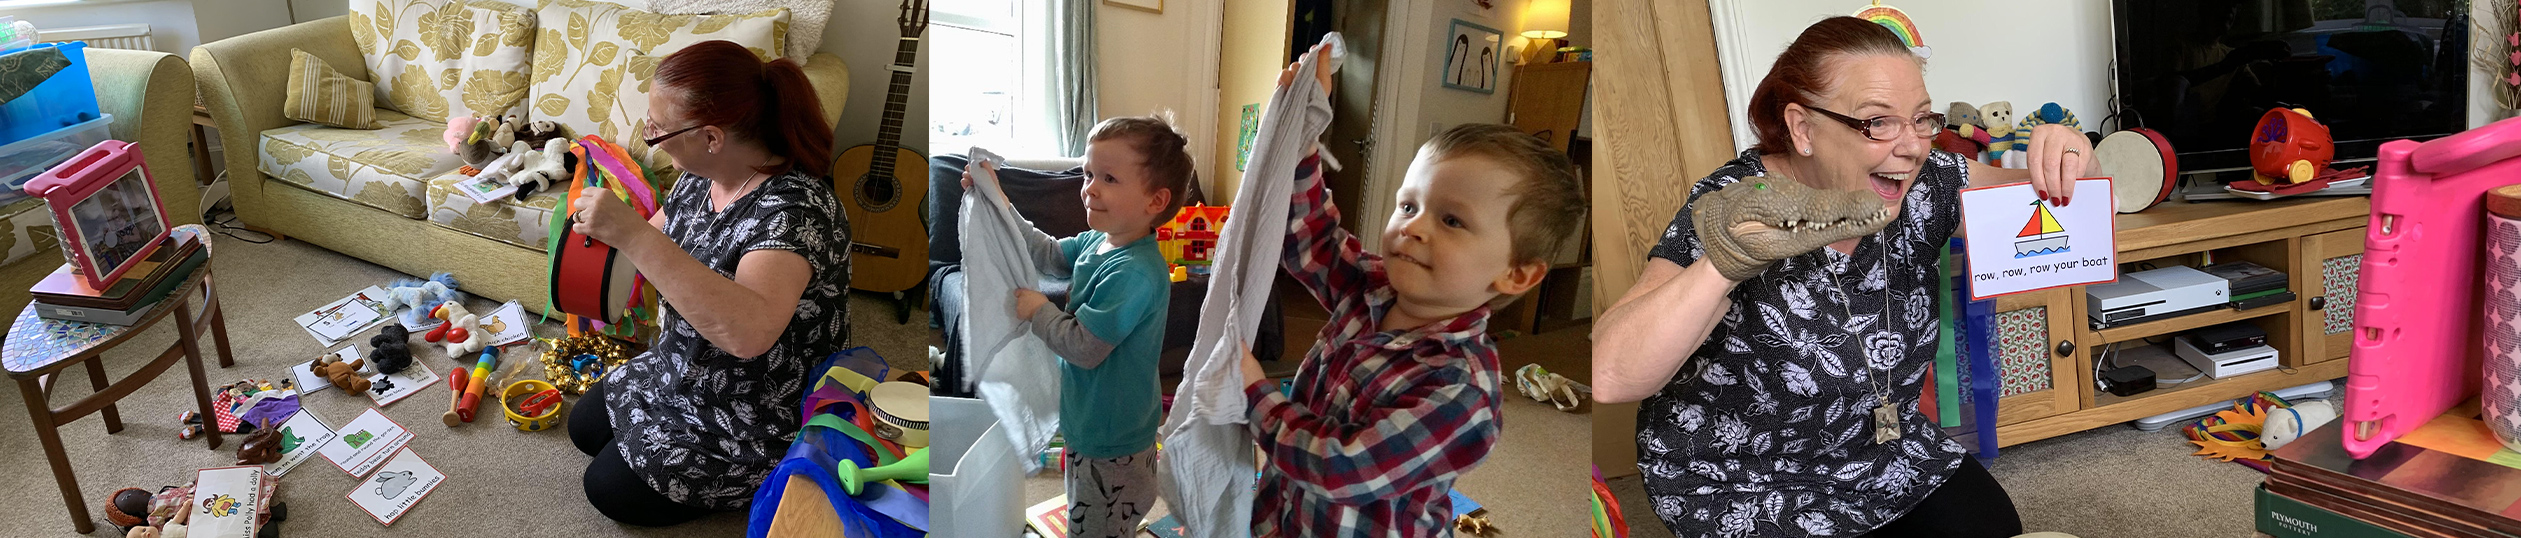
x,y
1544,23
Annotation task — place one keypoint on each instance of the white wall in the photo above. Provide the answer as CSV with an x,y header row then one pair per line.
x,y
862,33
172,25
2028,53
1149,62
1421,105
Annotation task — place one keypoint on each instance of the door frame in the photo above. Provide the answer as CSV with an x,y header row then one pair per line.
x,y
1207,34
1387,161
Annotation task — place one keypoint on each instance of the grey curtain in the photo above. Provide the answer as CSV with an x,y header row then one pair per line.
x,y
1069,82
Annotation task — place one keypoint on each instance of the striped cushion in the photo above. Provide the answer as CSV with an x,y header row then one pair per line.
x,y
318,94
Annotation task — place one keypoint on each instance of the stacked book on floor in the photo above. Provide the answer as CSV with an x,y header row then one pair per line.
x,y
2450,478
65,295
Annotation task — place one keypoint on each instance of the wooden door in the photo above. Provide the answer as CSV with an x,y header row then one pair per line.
x,y
1658,71
2036,381
1548,100
1351,136
2325,280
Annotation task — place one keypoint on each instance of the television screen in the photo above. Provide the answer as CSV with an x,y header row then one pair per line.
x,y
2201,72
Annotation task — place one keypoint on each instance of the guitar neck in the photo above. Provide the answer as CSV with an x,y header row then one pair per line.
x,y
888,135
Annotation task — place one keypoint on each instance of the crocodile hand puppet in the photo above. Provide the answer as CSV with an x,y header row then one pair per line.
x,y
1756,221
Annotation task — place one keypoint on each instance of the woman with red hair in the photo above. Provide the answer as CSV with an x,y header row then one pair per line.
x,y
1802,276
749,251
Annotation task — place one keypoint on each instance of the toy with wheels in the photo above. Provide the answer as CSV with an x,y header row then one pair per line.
x,y
2289,147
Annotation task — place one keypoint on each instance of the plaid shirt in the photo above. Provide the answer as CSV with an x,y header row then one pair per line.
x,y
1381,422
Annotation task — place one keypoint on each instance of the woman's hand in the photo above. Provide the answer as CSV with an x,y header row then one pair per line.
x,y
1321,70
2058,155
601,215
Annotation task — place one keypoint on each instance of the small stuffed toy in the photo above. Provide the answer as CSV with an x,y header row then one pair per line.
x,y
2048,114
390,349
538,132
127,508
2002,138
341,374
505,134
542,169
2289,423
262,446
420,295
498,170
462,331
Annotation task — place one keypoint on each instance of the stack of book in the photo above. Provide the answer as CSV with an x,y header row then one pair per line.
x,y
2450,477
66,295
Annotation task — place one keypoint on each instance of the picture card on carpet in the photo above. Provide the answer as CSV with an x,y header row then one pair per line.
x,y
299,438
508,324
2018,242
345,317
387,389
398,485
365,442
224,502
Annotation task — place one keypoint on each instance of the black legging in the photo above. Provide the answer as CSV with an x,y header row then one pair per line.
x,y
1970,504
611,486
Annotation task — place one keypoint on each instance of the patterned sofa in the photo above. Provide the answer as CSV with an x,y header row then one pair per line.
x,y
387,196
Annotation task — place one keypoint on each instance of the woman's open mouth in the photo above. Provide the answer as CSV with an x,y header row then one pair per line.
x,y
1888,185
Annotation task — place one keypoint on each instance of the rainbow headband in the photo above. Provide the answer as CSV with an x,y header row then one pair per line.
x,y
1899,23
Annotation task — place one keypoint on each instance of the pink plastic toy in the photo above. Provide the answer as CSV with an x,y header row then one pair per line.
x,y
2418,343
105,208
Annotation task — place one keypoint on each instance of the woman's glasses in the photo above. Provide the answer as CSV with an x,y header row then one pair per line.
x,y
654,139
1883,128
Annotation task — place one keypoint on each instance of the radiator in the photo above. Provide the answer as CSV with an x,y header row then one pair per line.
x,y
111,36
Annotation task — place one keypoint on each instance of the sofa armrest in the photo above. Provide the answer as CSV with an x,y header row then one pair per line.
x,y
831,84
241,81
150,95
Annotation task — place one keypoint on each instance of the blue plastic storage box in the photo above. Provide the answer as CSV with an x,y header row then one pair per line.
x,y
66,99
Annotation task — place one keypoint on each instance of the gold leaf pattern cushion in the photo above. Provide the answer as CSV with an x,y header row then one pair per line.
x,y
592,61
440,59
321,95
388,168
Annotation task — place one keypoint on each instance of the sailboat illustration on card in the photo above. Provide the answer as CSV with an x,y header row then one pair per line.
x,y
2040,236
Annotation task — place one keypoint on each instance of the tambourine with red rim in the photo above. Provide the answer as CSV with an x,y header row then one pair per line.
x,y
2141,166
591,279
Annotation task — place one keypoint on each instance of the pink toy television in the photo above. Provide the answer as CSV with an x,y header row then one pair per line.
x,y
106,209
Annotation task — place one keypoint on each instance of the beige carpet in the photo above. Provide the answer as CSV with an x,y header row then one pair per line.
x,y
2111,482
499,480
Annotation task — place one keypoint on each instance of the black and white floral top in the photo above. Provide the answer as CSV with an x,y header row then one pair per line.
x,y
1767,430
702,426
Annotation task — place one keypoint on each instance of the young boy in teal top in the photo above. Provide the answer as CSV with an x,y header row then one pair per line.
x,y
1108,338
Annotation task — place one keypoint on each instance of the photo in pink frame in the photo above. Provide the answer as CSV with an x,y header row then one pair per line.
x,y
106,209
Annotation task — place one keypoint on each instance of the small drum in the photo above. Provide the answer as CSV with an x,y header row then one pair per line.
x,y
2141,167
901,412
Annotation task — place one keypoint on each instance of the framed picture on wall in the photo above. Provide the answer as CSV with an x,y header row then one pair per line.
x,y
1471,55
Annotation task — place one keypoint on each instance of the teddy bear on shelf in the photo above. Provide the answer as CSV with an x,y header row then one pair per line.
x,y
1961,133
2003,141
462,331
342,374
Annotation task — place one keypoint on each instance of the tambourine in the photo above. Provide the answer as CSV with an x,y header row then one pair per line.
x,y
2141,166
901,412
531,405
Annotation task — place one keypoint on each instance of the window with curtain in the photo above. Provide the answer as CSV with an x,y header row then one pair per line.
x,y
976,83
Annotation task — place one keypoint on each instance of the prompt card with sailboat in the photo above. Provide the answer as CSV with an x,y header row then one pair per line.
x,y
2019,242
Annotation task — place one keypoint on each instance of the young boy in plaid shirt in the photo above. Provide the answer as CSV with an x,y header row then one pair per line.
x,y
1400,396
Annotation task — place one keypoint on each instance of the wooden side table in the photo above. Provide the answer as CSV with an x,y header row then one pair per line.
x,y
38,348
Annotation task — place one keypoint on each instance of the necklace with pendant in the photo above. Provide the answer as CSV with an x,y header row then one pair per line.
x,y
1886,420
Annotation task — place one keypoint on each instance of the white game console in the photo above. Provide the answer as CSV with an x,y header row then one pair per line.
x,y
2155,293
2226,364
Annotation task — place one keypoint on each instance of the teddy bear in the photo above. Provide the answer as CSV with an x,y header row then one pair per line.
x,y
462,332
2002,139
341,374
542,169
420,295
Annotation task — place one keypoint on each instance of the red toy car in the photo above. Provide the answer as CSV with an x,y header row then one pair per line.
x,y
2289,147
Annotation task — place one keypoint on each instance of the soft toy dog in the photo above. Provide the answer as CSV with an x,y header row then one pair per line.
x,y
421,295
462,331
262,446
536,133
341,374
542,168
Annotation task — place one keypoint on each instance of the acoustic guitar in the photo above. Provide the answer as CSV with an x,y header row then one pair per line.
x,y
888,243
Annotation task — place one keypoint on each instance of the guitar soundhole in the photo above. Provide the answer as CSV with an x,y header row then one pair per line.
x,y
878,193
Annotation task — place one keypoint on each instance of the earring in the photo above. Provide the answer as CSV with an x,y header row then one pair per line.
x,y
1807,152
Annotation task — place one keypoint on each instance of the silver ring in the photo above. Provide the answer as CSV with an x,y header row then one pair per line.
x,y
2074,151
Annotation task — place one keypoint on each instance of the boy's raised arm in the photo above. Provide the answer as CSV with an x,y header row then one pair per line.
x,y
1327,260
